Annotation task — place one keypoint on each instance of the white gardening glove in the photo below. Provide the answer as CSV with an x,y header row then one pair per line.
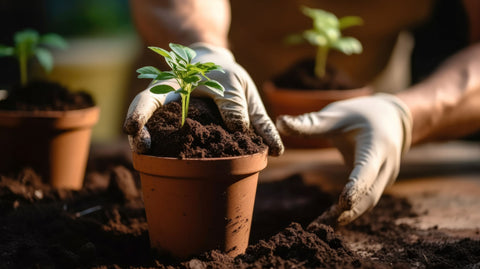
x,y
372,133
240,106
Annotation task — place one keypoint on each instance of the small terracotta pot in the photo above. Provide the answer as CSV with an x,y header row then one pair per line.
x,y
282,101
54,143
196,205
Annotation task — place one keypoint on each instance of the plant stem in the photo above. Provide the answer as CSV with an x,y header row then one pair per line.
x,y
22,60
321,61
185,101
184,113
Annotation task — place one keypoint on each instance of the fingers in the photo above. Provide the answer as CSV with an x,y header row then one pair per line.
x,y
139,112
365,187
264,127
309,124
143,106
141,141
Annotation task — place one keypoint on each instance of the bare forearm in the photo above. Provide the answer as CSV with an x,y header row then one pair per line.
x,y
182,21
447,104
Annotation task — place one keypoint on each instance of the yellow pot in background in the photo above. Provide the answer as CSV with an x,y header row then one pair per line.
x,y
104,67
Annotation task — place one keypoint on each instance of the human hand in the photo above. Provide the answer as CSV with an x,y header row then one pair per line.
x,y
240,107
372,133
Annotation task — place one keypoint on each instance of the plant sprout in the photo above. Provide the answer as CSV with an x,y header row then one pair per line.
x,y
188,75
28,44
326,35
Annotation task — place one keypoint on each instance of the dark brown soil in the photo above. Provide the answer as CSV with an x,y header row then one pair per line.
x,y
104,226
203,135
301,76
45,95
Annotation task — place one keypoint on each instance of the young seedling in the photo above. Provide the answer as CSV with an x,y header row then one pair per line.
x,y
326,35
187,74
28,44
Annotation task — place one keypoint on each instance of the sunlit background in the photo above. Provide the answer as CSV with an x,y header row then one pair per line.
x,y
103,47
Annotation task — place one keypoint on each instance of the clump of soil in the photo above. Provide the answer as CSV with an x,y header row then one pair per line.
x,y
46,96
301,76
104,226
204,135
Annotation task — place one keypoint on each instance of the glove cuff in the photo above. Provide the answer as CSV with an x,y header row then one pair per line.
x,y
405,116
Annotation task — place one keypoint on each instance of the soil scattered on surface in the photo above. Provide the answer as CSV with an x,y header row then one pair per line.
x,y
203,135
104,226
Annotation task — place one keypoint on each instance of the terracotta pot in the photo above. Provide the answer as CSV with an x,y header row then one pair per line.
x,y
54,143
196,205
281,101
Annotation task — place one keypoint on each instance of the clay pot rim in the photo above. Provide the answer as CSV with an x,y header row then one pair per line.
x,y
265,149
46,113
210,167
68,119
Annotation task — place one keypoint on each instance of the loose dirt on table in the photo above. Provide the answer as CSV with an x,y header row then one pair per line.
x,y
104,226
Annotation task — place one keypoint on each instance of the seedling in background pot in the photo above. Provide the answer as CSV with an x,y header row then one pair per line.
x,y
326,35
187,74
28,44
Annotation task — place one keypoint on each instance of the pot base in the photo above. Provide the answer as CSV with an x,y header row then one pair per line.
x,y
196,205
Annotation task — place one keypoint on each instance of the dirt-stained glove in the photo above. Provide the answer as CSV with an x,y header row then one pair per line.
x,y
240,106
372,133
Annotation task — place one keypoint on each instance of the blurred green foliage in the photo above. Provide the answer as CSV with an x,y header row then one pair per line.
x,y
88,17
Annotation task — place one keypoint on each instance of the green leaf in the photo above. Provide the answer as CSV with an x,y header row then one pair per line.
x,y
53,40
182,91
27,37
314,38
148,72
6,51
349,21
161,51
162,89
348,45
165,75
190,54
45,59
321,18
182,51
214,86
192,79
211,67
332,34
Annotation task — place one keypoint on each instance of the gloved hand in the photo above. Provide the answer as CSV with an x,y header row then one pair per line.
x,y
372,133
240,106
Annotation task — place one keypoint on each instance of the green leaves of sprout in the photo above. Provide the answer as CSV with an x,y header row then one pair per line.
x,y
326,34
28,44
188,75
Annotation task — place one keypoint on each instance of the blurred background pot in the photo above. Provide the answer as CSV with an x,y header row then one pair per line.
x,y
196,205
53,143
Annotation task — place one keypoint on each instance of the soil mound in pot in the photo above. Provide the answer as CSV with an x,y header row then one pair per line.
x,y
46,96
204,135
301,76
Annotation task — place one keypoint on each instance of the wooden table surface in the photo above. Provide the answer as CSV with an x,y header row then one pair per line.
x,y
441,180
